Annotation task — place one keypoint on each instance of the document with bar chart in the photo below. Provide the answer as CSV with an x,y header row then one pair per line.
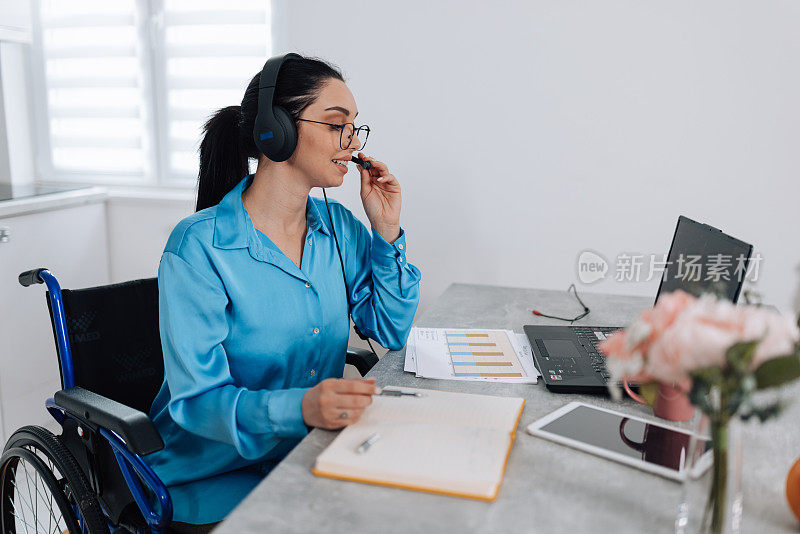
x,y
470,354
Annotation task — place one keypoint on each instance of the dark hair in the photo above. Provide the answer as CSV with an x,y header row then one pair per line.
x,y
228,135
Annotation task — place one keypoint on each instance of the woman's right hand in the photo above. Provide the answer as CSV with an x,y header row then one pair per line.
x,y
324,404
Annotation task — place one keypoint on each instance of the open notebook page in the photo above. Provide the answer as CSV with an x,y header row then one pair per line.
x,y
442,407
444,442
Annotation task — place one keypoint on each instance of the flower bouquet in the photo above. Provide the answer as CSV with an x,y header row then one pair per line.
x,y
718,354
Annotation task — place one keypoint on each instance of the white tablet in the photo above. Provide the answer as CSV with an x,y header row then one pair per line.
x,y
628,439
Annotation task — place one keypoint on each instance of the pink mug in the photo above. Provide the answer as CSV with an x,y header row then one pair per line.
x,y
671,403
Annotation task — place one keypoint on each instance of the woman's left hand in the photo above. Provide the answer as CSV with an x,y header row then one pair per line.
x,y
380,194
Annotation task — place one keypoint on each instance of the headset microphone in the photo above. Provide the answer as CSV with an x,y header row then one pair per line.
x,y
366,164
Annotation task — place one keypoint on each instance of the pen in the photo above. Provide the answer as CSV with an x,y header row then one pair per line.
x,y
368,443
398,393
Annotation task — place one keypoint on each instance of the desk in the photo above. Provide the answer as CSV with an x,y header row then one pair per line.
x,y
547,487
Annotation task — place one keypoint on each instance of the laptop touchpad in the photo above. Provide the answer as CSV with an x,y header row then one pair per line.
x,y
561,348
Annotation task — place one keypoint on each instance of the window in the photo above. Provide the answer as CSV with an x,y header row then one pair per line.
x,y
127,84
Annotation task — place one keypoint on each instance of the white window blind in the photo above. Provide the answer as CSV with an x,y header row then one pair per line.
x,y
129,83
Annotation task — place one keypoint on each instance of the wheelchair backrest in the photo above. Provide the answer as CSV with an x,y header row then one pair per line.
x,y
115,342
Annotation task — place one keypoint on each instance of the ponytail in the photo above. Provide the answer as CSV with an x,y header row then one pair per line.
x,y
228,144
223,162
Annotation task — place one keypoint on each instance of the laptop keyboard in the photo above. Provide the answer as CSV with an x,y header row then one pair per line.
x,y
590,337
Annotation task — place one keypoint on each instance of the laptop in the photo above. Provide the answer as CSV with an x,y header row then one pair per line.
x,y
701,259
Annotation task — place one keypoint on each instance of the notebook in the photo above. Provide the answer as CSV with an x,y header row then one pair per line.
x,y
451,443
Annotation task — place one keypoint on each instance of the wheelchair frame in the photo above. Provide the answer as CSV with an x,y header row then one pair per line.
x,y
128,432
76,403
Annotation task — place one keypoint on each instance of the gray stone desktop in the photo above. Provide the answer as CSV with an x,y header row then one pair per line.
x,y
547,487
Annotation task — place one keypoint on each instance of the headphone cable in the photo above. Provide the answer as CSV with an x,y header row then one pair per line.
x,y
570,320
341,262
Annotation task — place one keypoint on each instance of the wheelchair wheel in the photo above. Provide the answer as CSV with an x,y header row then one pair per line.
x,y
28,487
32,460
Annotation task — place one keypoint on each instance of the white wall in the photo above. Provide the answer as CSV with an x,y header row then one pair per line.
x,y
138,229
526,132
16,149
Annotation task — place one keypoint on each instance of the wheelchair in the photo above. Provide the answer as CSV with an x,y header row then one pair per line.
x,y
91,478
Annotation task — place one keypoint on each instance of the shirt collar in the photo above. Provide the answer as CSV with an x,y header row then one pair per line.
x,y
231,227
234,229
315,219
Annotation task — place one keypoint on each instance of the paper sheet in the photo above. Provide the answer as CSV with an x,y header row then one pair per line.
x,y
470,354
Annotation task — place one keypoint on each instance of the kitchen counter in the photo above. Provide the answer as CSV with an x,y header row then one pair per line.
x,y
23,199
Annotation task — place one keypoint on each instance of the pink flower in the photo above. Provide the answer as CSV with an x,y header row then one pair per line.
x,y
615,344
779,334
637,339
690,343
686,334
667,310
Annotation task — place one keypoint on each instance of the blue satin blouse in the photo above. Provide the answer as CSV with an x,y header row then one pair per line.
x,y
246,333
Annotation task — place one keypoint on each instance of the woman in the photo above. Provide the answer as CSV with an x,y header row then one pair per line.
x,y
253,310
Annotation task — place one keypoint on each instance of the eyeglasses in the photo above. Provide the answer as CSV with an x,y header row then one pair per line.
x,y
577,317
346,132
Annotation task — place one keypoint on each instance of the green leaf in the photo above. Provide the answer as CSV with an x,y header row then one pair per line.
x,y
711,376
735,399
649,392
778,371
701,387
739,356
762,412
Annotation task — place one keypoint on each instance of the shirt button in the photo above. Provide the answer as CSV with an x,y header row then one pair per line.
x,y
308,285
310,242
316,331
313,372
400,246
400,259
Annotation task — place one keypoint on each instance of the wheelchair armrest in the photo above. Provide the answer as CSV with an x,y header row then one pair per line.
x,y
362,359
133,426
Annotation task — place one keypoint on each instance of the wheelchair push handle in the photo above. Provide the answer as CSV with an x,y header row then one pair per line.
x,y
31,277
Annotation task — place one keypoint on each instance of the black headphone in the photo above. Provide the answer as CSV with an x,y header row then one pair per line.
x,y
274,131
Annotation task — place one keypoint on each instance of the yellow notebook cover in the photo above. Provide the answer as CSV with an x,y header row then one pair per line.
x,y
450,443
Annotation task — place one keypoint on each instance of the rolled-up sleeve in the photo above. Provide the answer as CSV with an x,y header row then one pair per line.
x,y
384,292
203,397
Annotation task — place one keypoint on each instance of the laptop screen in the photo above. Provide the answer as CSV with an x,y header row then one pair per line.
x,y
702,259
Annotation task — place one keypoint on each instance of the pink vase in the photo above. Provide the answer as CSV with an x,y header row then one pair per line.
x,y
670,404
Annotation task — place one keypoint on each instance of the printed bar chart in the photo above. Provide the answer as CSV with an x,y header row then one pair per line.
x,y
470,354
489,355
